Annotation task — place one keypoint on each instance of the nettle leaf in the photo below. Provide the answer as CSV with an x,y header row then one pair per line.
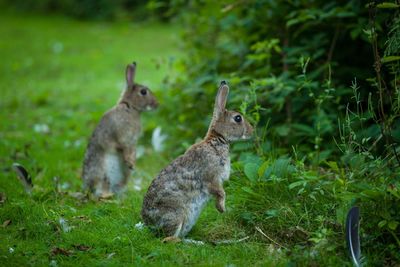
x,y
251,171
371,193
282,130
247,190
281,168
272,213
333,165
296,184
393,225
247,216
302,129
301,19
390,59
387,5
382,223
251,158
263,168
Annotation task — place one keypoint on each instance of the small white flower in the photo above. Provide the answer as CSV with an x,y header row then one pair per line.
x,y
64,186
11,250
41,128
78,143
139,226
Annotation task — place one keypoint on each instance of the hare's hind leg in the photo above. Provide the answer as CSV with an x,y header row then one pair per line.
x,y
172,223
175,237
103,189
119,187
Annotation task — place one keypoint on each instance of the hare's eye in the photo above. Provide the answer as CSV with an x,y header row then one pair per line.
x,y
238,118
143,92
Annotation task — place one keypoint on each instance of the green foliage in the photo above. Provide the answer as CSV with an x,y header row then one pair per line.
x,y
93,9
320,81
295,56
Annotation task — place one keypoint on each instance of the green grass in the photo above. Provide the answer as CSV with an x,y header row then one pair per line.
x,y
65,74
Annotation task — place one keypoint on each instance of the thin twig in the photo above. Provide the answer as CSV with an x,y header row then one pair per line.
x,y
333,44
269,238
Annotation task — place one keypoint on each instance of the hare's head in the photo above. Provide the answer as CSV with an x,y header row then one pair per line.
x,y
136,95
230,124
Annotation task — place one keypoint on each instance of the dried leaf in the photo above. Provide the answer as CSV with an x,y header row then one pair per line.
x,y
55,226
82,218
81,247
3,198
61,251
6,223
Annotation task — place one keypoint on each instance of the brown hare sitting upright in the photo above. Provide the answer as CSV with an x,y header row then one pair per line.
x,y
111,152
178,194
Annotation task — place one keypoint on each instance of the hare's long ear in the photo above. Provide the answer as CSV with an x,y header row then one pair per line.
x,y
220,100
130,74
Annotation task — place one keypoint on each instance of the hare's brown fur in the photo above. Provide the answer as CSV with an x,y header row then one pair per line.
x,y
178,194
111,152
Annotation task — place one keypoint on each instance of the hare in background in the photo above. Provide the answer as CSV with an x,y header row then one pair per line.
x,y
111,152
178,194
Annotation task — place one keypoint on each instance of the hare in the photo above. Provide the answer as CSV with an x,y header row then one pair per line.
x,y
178,194
111,154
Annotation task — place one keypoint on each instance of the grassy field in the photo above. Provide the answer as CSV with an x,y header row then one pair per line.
x,y
57,78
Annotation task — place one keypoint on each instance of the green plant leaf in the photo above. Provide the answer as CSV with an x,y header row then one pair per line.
x,y
247,189
282,130
387,5
251,171
281,167
272,213
296,184
393,225
302,129
333,165
390,59
263,168
382,223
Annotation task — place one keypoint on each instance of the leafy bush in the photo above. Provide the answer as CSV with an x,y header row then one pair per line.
x,y
320,81
299,59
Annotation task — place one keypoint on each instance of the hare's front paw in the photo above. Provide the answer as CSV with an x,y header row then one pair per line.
x,y
130,162
130,165
221,206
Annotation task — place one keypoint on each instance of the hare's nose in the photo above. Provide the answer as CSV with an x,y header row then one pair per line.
x,y
155,104
250,129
